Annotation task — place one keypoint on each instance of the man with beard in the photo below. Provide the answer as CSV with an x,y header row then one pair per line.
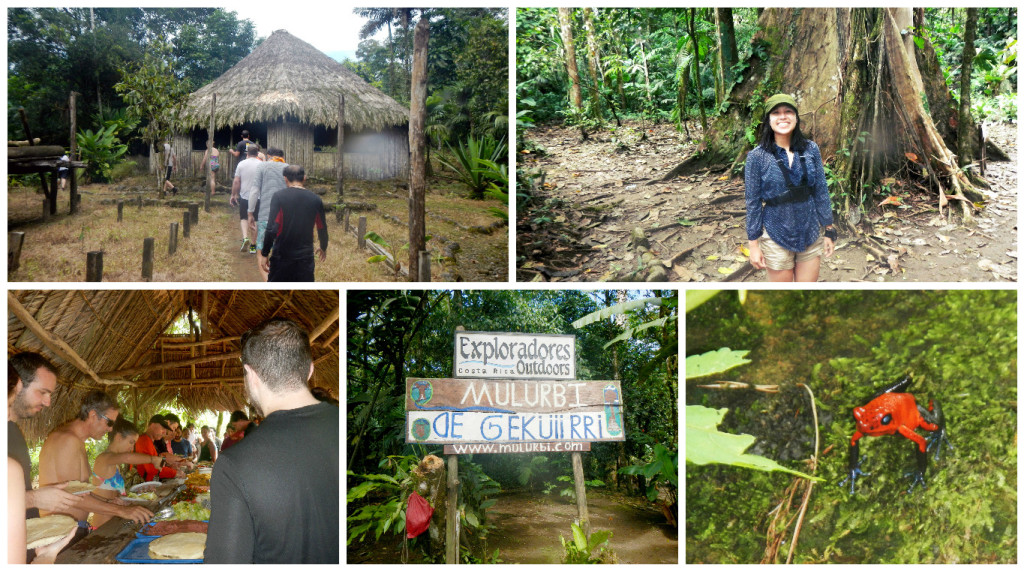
x,y
31,381
274,501
63,457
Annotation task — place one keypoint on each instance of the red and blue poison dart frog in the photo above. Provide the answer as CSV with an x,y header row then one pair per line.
x,y
893,411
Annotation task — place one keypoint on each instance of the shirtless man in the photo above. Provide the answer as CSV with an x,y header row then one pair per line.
x,y
63,458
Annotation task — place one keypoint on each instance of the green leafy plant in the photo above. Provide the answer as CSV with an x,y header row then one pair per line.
x,y
385,497
582,548
662,471
569,492
470,162
101,150
381,258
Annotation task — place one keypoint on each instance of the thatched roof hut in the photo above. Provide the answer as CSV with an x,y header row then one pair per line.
x,y
289,90
119,341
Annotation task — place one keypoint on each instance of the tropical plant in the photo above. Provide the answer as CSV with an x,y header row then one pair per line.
x,y
101,150
587,549
392,260
386,514
663,470
467,166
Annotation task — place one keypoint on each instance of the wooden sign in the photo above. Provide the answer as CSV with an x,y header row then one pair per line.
x,y
514,447
510,396
463,411
514,355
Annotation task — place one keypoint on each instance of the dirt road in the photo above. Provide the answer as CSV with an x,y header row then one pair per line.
x,y
595,193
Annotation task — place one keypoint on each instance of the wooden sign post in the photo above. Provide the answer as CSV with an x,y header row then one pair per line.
x,y
512,393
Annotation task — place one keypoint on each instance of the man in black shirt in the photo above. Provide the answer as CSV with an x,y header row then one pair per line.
x,y
294,212
31,380
275,494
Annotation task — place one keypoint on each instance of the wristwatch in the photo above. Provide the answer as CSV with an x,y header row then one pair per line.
x,y
831,233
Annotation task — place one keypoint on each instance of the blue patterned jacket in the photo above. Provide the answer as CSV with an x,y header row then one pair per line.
x,y
794,225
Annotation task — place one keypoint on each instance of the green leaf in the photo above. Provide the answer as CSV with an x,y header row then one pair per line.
x,y
714,362
706,445
578,538
376,239
695,298
376,259
614,310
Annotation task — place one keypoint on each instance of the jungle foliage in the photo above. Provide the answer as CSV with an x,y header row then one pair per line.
x,y
395,335
959,347
54,51
650,64
467,71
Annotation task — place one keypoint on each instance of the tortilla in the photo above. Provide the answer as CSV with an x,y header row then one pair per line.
x,y
188,545
42,531
77,487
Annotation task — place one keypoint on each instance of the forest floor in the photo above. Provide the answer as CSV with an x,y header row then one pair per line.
x,y
527,526
594,193
56,250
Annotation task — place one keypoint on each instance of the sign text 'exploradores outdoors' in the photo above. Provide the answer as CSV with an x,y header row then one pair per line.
x,y
465,411
514,356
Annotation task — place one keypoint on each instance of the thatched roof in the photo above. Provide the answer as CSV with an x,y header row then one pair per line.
x,y
286,77
116,341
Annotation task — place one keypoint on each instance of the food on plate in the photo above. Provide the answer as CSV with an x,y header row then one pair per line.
x,y
198,479
172,526
77,487
188,545
42,531
189,510
147,496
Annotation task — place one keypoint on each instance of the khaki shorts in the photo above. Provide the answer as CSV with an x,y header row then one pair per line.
x,y
778,258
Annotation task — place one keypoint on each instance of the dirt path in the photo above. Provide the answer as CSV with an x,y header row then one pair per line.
x,y
527,526
597,192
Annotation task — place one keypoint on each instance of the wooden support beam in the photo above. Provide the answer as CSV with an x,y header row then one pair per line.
x,y
182,363
318,331
173,344
55,344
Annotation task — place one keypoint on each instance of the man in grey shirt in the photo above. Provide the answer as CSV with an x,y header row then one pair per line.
x,y
269,179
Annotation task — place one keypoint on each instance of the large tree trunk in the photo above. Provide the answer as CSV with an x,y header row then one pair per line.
x,y
966,127
855,77
727,53
593,62
696,70
565,22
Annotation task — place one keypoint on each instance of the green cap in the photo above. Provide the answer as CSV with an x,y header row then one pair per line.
x,y
778,99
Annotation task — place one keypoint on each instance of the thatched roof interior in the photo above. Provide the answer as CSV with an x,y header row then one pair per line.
x,y
120,339
286,78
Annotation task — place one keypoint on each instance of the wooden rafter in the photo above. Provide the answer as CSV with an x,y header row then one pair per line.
x,y
55,344
318,331
172,364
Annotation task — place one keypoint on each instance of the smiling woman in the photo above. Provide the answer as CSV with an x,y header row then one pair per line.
x,y
784,217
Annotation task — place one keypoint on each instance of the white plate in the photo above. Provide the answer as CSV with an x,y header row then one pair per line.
x,y
144,487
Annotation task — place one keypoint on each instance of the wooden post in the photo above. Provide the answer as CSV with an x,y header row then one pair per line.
x,y
15,240
72,178
341,146
348,227
46,209
54,189
172,240
94,266
147,258
339,213
581,492
193,210
186,224
361,231
417,147
120,210
424,275
451,536
140,202
211,177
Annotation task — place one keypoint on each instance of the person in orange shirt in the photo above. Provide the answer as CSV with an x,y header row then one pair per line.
x,y
144,445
